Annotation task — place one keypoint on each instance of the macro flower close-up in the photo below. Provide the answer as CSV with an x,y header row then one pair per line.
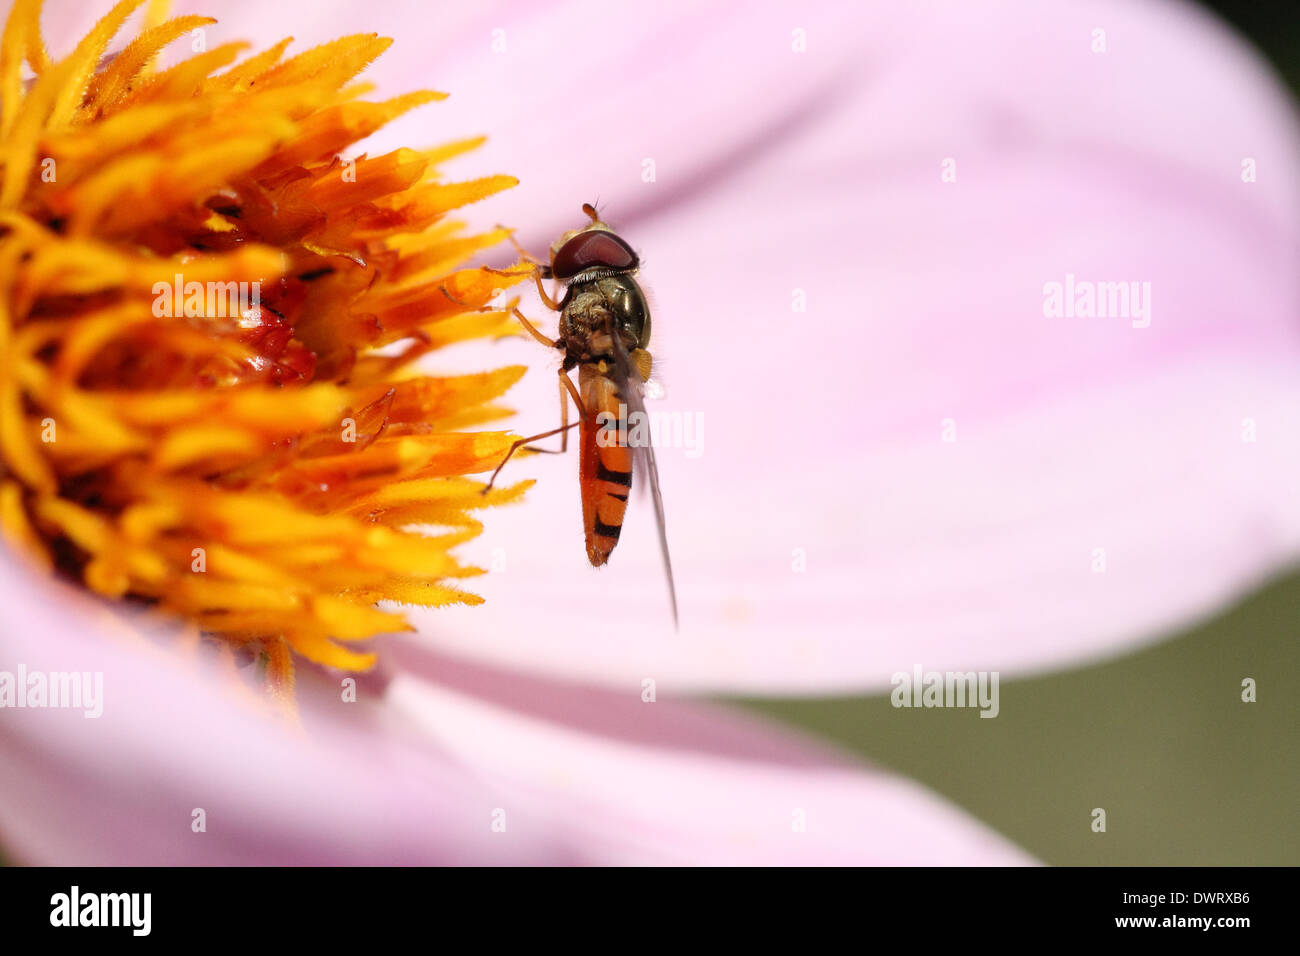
x,y
975,353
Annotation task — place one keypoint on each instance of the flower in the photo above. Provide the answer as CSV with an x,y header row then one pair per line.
x,y
773,173
256,466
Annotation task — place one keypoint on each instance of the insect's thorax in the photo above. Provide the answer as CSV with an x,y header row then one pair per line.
x,y
595,308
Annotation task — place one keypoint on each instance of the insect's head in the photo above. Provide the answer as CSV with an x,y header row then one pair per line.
x,y
593,247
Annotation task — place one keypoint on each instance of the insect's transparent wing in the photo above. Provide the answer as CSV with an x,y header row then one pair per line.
x,y
630,385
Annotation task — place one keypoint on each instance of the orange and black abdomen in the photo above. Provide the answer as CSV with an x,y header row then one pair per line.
x,y
605,472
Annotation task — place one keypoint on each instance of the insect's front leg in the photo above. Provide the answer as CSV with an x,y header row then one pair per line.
x,y
523,253
538,273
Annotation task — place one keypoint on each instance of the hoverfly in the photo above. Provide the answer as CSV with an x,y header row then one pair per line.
x,y
604,330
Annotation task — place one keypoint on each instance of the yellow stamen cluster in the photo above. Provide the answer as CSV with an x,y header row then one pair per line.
x,y
267,472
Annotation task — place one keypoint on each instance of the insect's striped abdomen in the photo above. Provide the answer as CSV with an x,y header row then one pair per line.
x,y
605,473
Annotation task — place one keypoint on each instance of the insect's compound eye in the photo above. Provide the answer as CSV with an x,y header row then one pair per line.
x,y
592,247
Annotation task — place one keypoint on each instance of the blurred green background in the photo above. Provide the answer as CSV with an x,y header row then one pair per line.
x,y
1187,773
1271,25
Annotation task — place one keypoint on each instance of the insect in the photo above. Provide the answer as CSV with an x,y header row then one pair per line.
x,y
604,330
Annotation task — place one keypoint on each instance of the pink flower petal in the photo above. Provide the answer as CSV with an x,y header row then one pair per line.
x,y
121,789
415,771
668,782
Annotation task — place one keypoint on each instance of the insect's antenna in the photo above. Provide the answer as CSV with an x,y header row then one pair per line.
x,y
590,210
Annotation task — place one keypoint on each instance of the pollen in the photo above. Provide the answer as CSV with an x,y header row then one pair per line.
x,y
210,325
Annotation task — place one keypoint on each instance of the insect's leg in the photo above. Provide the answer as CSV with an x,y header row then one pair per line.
x,y
566,384
539,272
549,302
521,443
523,253
563,430
573,393
443,290
564,413
532,330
